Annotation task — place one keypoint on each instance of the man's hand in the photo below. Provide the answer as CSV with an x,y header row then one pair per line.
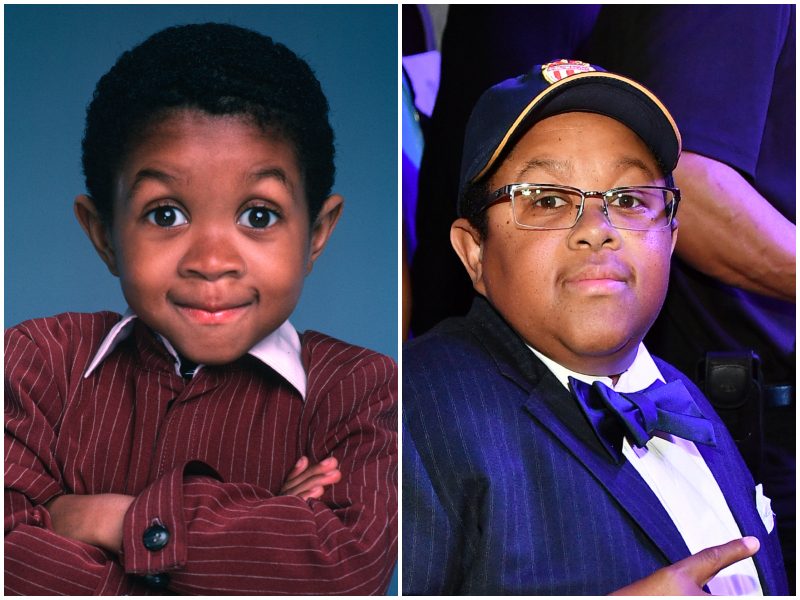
x,y
308,482
93,519
687,577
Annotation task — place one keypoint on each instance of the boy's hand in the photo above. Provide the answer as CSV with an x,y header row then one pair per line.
x,y
93,519
688,576
308,482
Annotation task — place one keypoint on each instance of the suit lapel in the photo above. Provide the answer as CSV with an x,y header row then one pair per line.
x,y
553,406
623,482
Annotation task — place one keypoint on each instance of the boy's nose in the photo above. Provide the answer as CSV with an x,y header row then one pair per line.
x,y
211,256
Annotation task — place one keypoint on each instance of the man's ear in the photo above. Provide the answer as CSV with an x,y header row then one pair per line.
x,y
468,244
323,227
674,226
98,233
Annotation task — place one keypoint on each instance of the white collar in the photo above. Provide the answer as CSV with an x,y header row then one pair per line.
x,y
279,350
640,375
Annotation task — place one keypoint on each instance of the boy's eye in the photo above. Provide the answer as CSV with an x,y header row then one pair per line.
x,y
258,217
167,216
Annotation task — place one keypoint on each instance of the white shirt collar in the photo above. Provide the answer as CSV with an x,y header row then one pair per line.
x,y
279,350
640,375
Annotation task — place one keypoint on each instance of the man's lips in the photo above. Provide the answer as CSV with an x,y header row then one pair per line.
x,y
598,278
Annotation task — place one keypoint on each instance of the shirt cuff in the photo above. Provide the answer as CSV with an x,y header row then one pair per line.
x,y
154,530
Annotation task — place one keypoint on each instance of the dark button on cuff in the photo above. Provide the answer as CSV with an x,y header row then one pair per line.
x,y
157,580
155,537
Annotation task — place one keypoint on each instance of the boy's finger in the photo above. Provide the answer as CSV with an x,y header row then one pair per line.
x,y
294,479
308,484
315,492
295,475
298,468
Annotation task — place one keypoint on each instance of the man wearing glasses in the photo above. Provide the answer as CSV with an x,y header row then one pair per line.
x,y
545,450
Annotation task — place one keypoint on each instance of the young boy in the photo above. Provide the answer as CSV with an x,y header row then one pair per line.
x,y
545,451
198,444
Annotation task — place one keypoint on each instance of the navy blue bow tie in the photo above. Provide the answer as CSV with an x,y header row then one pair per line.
x,y
661,407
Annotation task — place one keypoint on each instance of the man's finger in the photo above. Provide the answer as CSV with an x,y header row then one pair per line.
x,y
704,565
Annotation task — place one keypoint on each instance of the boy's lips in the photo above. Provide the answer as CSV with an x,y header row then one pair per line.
x,y
212,313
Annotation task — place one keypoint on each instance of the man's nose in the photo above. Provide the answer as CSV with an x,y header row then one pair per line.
x,y
593,228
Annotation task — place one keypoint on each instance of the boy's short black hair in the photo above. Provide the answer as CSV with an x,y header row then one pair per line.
x,y
222,70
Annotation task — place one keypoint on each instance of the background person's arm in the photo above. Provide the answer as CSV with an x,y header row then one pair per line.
x,y
730,232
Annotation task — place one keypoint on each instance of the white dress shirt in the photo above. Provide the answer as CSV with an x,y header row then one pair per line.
x,y
679,477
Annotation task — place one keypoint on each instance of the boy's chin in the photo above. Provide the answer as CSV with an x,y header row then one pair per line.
x,y
210,352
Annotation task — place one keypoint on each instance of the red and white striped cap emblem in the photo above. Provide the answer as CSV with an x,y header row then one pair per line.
x,y
556,71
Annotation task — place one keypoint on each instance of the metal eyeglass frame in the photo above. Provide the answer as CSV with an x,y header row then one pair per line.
x,y
508,190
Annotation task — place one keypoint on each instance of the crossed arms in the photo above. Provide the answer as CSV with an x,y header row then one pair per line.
x,y
225,536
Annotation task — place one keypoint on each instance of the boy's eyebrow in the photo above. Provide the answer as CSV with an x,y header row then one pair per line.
x,y
146,175
273,173
166,178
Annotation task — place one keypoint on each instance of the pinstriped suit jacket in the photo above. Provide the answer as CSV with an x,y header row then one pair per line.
x,y
506,490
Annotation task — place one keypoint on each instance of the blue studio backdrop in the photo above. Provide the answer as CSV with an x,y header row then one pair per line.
x,y
54,56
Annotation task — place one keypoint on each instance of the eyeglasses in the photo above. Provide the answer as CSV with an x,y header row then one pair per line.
x,y
543,206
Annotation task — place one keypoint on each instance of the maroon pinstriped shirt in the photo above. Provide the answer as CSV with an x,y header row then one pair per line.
x,y
205,459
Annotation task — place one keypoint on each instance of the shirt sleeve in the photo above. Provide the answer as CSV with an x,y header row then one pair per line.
x,y
236,538
37,560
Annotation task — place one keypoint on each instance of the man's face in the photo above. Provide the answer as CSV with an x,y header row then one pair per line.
x,y
584,297
211,238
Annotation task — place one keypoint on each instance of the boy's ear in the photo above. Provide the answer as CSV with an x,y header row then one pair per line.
x,y
323,227
98,233
468,244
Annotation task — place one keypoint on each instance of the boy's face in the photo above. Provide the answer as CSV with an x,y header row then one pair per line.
x,y
211,237
584,297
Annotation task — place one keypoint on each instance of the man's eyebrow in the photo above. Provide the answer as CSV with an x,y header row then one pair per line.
x,y
272,173
555,167
149,174
630,161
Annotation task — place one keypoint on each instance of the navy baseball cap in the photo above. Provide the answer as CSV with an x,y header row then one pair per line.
x,y
506,111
